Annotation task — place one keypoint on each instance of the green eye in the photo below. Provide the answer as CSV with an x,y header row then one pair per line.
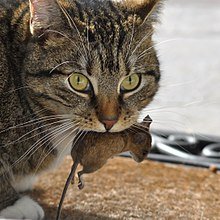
x,y
130,83
79,82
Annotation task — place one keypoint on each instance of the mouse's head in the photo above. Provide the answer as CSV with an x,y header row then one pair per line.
x,y
140,146
140,141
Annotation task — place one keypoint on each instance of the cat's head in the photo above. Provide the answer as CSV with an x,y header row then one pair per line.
x,y
92,61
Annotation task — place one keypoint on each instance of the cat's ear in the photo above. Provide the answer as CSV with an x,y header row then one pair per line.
x,y
43,15
147,10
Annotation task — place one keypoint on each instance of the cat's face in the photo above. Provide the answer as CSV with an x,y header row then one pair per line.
x,y
95,63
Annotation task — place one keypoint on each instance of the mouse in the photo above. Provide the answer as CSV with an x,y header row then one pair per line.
x,y
94,149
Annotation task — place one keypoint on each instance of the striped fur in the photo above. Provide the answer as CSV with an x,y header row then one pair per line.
x,y
41,45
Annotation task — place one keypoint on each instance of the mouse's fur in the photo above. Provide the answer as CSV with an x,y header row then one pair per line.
x,y
94,149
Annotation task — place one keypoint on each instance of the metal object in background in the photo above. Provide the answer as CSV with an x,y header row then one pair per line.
x,y
183,148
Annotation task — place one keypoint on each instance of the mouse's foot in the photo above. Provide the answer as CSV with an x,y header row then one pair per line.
x,y
81,182
81,185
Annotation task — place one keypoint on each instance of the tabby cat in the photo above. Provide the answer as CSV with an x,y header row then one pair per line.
x,y
66,67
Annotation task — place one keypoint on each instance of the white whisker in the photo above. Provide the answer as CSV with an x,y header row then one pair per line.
x,y
39,142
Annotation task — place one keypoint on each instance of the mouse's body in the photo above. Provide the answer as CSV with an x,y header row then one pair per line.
x,y
94,149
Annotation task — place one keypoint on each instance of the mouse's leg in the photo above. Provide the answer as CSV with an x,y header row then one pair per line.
x,y
81,182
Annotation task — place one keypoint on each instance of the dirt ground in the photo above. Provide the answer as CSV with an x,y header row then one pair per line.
x,y
124,189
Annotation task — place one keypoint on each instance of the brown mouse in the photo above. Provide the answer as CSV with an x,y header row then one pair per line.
x,y
94,149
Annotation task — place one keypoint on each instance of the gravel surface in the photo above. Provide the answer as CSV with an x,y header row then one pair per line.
x,y
124,189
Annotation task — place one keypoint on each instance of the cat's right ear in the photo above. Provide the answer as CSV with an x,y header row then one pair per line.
x,y
43,15
147,10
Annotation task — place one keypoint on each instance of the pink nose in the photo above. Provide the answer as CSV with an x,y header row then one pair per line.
x,y
109,124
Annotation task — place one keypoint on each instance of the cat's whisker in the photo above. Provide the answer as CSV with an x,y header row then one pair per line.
x,y
60,141
31,122
38,128
56,144
39,142
65,14
48,138
63,151
79,135
14,90
33,115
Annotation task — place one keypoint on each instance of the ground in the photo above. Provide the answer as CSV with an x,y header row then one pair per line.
x,y
124,189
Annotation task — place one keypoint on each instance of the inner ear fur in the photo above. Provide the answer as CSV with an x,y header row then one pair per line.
x,y
44,14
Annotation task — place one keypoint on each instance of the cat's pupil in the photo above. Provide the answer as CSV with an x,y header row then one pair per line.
x,y
130,80
78,80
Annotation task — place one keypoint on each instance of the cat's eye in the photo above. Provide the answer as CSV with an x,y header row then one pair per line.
x,y
79,82
130,83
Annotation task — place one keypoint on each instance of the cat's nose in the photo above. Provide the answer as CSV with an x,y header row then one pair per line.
x,y
109,123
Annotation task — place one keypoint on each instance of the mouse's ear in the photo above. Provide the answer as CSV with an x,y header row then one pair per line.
x,y
147,10
43,15
147,121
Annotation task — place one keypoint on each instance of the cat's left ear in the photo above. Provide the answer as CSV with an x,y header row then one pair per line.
x,y
147,10
44,14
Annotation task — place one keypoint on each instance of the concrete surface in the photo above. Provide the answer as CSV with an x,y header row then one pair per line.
x,y
189,49
125,190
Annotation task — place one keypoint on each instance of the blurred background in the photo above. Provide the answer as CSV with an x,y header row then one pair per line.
x,y
188,44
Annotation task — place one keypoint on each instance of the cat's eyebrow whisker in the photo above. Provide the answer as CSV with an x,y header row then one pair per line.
x,y
157,44
132,37
68,38
139,44
73,25
87,37
57,66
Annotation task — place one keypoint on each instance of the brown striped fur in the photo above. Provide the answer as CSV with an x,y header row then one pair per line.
x,y
101,39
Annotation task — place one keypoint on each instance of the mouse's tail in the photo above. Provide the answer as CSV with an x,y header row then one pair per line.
x,y
69,179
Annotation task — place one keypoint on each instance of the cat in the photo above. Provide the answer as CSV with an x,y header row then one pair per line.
x,y
67,67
